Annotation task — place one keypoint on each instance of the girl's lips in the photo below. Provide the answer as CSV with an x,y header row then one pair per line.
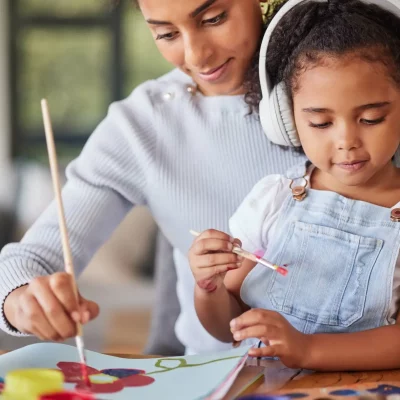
x,y
216,73
352,166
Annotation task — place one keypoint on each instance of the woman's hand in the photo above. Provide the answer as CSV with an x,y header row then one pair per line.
x,y
211,257
47,308
280,338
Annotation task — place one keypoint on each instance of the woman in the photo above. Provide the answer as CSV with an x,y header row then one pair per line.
x,y
172,145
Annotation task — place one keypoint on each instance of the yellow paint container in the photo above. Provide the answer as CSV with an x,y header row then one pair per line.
x,y
29,384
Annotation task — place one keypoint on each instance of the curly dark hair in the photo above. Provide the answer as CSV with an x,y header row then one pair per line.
x,y
312,30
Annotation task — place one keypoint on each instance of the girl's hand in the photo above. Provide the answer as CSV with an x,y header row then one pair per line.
x,y
280,338
47,308
211,257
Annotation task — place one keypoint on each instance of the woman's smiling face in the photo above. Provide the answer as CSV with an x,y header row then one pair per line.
x,y
213,41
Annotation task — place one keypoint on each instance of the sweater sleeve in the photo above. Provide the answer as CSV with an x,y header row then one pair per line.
x,y
258,212
103,184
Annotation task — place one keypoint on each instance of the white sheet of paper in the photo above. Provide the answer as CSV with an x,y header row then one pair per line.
x,y
176,378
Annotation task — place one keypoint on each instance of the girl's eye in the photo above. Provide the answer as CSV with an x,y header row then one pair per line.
x,y
167,36
320,126
372,121
216,20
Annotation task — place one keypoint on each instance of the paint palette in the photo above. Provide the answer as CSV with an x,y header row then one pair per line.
x,y
175,378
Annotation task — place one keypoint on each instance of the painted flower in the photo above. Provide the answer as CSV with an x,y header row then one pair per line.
x,y
106,380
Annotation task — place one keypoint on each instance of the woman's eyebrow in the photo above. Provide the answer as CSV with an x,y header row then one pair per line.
x,y
193,14
202,8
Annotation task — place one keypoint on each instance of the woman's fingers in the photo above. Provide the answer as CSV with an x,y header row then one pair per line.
x,y
48,308
58,317
62,286
88,310
33,320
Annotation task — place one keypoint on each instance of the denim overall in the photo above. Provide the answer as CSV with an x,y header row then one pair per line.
x,y
341,256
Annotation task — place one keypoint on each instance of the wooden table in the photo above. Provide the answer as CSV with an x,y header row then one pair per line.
x,y
279,380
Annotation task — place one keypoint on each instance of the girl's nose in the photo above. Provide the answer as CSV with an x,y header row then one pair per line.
x,y
348,138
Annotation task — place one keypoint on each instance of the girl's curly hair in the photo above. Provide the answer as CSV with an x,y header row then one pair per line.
x,y
313,30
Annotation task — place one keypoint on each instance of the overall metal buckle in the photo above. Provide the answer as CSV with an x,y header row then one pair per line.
x,y
299,192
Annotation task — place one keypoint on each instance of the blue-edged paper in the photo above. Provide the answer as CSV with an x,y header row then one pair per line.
x,y
175,378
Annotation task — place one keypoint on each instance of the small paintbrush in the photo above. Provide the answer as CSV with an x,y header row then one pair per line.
x,y
246,254
69,267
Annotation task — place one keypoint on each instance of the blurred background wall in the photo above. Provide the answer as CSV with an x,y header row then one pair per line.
x,y
81,55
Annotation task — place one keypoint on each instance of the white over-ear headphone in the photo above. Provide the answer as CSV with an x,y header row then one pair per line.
x,y
276,113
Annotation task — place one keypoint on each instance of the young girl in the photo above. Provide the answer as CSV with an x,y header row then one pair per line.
x,y
335,221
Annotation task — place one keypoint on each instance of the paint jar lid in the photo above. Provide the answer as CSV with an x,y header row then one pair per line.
x,y
29,384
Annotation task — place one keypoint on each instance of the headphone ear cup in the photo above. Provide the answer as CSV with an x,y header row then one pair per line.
x,y
269,121
284,116
276,117
265,119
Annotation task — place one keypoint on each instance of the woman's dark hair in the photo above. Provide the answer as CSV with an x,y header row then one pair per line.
x,y
313,30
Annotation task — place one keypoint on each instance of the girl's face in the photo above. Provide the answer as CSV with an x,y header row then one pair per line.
x,y
347,113
213,41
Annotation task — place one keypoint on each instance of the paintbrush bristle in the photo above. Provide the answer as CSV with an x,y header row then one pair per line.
x,y
81,349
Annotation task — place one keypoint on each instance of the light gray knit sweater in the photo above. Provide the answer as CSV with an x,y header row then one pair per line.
x,y
191,159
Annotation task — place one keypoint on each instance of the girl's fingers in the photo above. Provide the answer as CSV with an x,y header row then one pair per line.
x,y
252,317
268,351
214,259
256,331
214,234
211,272
237,243
204,246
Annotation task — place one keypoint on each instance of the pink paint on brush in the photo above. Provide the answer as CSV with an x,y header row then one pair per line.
x,y
282,271
259,255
